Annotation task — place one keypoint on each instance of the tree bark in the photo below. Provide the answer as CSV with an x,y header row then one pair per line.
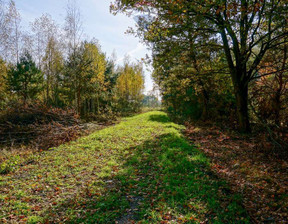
x,y
241,94
281,86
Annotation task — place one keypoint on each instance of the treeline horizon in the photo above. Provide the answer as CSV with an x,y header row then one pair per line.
x,y
55,65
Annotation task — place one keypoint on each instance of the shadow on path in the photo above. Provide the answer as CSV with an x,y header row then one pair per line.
x,y
164,180
159,118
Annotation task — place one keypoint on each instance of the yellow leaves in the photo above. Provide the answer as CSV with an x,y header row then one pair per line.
x,y
3,74
98,65
131,82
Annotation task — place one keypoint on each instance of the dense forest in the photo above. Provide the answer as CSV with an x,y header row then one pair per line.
x,y
54,65
82,139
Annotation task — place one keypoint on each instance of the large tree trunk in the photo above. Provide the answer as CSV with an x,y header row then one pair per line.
x,y
241,94
281,86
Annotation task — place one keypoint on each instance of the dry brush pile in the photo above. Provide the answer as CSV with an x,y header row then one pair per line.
x,y
38,125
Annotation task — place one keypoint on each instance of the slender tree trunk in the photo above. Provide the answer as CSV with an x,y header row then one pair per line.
x,y
25,94
205,97
56,93
85,107
98,104
93,106
47,88
277,108
17,40
278,102
79,102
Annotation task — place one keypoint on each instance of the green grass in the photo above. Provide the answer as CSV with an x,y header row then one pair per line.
x,y
142,168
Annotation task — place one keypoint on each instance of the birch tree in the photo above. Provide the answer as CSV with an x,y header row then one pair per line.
x,y
73,34
14,32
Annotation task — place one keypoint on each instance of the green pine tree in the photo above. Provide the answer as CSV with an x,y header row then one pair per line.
x,y
25,79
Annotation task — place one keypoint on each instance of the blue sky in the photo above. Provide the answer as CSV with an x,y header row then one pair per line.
x,y
97,22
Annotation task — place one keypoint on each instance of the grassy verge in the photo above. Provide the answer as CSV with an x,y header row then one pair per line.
x,y
141,169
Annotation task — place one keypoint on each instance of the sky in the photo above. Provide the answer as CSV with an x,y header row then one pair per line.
x,y
98,23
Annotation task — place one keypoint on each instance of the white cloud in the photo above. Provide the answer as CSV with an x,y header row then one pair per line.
x,y
140,49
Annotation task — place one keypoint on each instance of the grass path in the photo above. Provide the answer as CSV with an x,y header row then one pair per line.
x,y
141,170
